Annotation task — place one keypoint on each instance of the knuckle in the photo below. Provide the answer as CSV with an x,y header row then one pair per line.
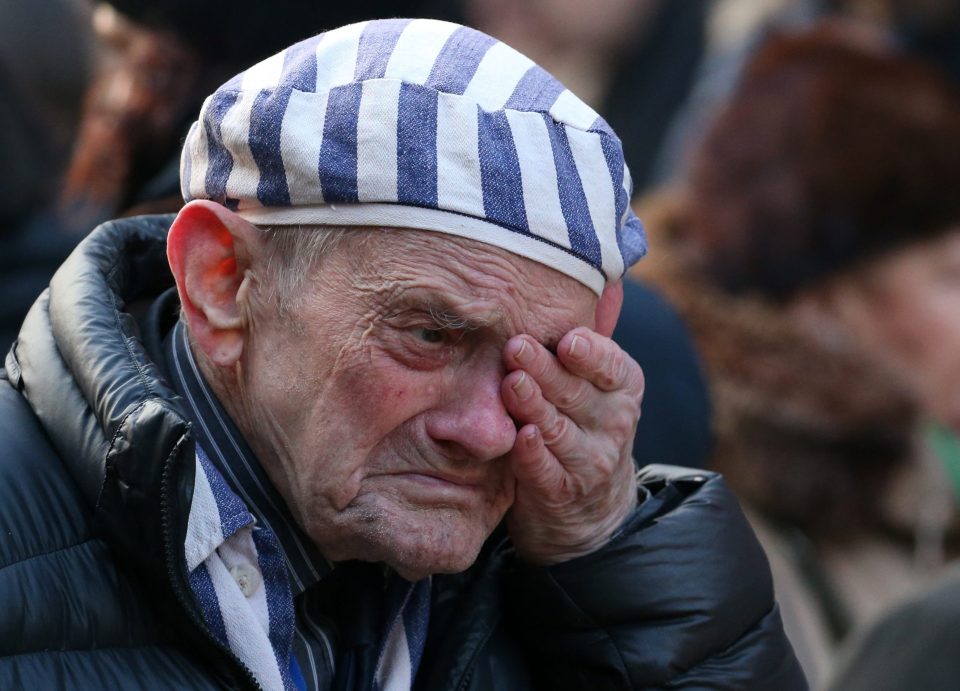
x,y
633,401
567,491
542,364
605,468
555,429
572,397
616,361
577,489
624,422
543,477
612,366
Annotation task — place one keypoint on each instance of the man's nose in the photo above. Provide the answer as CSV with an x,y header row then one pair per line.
x,y
472,422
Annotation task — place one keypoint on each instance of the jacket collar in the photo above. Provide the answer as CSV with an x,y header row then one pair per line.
x,y
100,396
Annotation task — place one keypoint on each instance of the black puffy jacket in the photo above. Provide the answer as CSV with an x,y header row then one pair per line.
x,y
96,477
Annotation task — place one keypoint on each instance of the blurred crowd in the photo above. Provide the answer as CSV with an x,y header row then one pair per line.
x,y
798,320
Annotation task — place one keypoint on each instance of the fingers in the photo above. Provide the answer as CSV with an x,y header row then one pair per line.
x,y
571,394
525,401
585,363
533,465
600,361
576,413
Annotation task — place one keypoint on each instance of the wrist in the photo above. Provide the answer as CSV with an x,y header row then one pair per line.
x,y
548,552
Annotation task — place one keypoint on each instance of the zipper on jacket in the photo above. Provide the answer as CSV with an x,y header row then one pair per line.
x,y
472,665
496,555
171,559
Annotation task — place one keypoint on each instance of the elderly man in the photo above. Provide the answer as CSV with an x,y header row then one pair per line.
x,y
377,436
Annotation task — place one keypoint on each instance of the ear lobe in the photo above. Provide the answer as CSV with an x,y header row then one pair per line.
x,y
608,308
209,249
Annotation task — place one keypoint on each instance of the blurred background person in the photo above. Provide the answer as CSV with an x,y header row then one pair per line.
x,y
823,198
914,646
159,60
676,425
734,29
654,69
634,61
97,98
46,62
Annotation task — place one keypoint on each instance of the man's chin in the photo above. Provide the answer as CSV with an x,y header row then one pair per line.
x,y
415,543
413,567
413,575
416,551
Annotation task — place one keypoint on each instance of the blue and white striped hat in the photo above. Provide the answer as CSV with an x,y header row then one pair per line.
x,y
419,124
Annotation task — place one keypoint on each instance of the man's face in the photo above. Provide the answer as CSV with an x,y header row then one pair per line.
x,y
377,403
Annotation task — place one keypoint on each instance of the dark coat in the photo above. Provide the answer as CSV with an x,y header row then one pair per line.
x,y
912,646
96,477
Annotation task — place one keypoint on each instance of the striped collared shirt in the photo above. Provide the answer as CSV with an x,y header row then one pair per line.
x,y
314,639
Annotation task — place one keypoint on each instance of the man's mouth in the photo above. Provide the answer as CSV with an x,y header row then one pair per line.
x,y
431,486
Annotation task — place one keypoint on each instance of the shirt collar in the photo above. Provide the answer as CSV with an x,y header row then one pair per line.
x,y
229,453
216,513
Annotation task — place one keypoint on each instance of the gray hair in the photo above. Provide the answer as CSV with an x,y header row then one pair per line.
x,y
292,254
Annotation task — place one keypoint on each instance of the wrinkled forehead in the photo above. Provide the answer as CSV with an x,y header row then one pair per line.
x,y
467,280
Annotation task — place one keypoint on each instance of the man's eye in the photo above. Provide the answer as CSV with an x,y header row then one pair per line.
x,y
430,335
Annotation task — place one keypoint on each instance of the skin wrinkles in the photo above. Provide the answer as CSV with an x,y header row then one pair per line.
x,y
415,388
385,446
242,405
492,273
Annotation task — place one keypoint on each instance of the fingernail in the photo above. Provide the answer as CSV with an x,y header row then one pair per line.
x,y
531,439
523,353
522,387
579,348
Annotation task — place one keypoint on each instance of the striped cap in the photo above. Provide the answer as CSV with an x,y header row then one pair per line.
x,y
419,124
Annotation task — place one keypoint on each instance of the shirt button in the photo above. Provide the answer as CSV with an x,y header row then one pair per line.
x,y
247,577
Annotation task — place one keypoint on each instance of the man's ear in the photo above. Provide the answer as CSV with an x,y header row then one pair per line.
x,y
210,249
608,308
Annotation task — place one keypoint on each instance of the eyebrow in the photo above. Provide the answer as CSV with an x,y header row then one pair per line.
x,y
449,315
454,321
447,319
457,318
